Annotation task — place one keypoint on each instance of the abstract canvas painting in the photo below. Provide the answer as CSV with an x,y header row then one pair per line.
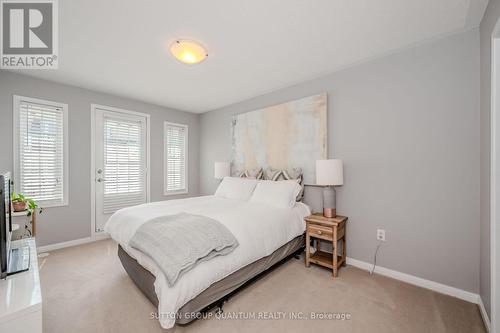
x,y
288,135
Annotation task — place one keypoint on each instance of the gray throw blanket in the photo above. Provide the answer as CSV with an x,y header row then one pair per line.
x,y
178,242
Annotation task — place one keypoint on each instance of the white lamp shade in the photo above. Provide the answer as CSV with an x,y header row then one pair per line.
x,y
222,169
329,172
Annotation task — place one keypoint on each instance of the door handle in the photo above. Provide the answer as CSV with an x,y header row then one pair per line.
x,y
100,180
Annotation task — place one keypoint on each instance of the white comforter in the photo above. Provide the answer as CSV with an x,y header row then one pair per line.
x,y
260,230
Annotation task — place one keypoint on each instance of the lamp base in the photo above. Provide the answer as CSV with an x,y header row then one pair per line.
x,y
329,202
329,212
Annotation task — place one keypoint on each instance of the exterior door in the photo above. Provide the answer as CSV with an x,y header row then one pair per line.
x,y
120,168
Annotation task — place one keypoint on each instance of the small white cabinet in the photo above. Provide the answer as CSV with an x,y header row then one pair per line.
x,y
21,297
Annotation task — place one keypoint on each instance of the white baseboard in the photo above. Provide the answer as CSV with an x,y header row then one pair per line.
x,y
101,235
484,314
411,279
57,246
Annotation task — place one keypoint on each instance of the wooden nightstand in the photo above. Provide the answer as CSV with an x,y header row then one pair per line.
x,y
330,229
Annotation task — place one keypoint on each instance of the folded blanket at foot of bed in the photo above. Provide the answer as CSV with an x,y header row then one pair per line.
x,y
179,242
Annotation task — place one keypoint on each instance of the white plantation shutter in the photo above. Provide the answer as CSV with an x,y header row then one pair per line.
x,y
175,155
40,148
124,164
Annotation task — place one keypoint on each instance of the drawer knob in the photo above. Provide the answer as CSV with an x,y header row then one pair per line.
x,y
319,232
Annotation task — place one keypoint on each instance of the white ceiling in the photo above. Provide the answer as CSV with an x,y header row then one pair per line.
x,y
121,47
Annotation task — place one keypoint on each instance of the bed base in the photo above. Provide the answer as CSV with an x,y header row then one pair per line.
x,y
219,304
218,293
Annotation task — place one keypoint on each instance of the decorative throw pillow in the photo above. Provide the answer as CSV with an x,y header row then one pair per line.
x,y
295,174
272,174
252,173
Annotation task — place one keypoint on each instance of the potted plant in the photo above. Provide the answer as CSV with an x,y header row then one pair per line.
x,y
20,203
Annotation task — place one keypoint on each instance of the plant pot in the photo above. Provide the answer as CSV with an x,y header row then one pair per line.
x,y
19,206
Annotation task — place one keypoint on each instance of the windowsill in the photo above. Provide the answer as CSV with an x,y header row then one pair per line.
x,y
52,204
175,193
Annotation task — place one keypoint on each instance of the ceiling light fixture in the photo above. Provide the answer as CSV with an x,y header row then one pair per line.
x,y
188,51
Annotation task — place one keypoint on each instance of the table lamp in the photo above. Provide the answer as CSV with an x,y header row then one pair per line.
x,y
329,173
222,169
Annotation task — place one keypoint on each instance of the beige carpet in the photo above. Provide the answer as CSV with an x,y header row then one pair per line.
x,y
85,289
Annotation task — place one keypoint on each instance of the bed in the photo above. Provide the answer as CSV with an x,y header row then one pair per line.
x,y
266,235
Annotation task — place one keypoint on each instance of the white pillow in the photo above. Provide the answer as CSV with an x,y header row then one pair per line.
x,y
236,188
280,194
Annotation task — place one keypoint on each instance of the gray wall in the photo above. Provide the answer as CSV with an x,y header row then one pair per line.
x,y
488,23
407,128
73,222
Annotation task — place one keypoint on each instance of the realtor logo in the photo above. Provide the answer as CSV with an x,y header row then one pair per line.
x,y
29,34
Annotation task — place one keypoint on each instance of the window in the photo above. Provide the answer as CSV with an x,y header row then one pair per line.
x,y
40,150
175,155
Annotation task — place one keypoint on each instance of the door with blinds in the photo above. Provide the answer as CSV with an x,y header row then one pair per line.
x,y
120,162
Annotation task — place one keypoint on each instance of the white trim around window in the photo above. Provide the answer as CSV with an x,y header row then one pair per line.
x,y
18,186
183,166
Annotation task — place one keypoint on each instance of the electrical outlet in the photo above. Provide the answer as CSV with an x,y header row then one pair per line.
x,y
381,235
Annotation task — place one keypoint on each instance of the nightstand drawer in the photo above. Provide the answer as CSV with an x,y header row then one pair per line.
x,y
320,232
